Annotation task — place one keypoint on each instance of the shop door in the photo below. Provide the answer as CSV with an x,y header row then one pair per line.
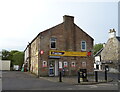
x,y
51,68
56,68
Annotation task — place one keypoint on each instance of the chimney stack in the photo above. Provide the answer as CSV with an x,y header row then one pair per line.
x,y
69,32
112,33
67,18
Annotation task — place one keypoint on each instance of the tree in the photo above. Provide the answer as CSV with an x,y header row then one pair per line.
x,y
5,55
12,52
18,58
97,47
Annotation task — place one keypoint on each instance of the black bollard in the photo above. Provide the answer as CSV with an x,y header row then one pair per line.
x,y
96,76
78,77
106,75
60,77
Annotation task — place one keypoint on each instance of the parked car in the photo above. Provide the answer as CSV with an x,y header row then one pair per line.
x,y
16,67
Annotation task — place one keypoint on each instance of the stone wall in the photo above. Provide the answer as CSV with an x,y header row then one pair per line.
x,y
111,53
34,56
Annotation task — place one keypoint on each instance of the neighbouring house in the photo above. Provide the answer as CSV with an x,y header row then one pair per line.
x,y
5,65
97,63
27,57
110,55
64,47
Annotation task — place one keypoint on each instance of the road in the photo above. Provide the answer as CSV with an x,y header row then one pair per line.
x,y
113,76
16,80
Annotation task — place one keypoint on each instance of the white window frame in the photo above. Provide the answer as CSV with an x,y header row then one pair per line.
x,y
82,47
53,41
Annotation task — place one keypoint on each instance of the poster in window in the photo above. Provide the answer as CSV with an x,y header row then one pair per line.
x,y
65,64
73,64
44,63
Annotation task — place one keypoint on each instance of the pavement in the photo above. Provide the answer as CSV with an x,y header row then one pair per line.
x,y
74,80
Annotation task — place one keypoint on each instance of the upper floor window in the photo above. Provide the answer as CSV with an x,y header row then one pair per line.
x,y
53,43
83,45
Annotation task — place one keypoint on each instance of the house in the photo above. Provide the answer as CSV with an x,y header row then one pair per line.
x,y
110,55
97,63
27,57
64,47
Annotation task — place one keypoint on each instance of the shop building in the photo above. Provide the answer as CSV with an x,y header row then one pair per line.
x,y
64,47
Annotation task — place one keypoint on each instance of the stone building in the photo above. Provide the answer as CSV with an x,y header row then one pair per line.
x,y
63,47
27,56
111,53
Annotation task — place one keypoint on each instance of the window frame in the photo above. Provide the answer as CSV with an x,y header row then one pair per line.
x,y
73,64
65,64
82,45
53,41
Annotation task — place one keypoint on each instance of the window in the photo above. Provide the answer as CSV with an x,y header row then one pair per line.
x,y
83,45
84,64
73,64
97,66
60,65
53,43
44,63
65,64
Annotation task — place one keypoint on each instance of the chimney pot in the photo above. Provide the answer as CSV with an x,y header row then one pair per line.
x,y
112,33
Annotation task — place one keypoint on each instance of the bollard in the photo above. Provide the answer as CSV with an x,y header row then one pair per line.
x,y
106,75
60,77
96,76
78,77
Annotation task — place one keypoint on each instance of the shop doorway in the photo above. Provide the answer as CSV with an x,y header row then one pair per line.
x,y
53,68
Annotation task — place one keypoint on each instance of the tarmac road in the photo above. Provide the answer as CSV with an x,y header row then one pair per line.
x,y
17,80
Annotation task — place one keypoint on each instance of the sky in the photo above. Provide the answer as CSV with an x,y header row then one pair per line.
x,y
22,20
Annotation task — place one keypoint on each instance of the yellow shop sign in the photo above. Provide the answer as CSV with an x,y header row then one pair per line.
x,y
66,53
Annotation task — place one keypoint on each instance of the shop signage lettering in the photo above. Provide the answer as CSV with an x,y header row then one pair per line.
x,y
57,53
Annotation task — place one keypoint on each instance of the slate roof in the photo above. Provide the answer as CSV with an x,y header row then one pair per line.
x,y
98,53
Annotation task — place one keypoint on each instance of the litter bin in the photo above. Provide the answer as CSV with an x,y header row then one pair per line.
x,y
83,75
